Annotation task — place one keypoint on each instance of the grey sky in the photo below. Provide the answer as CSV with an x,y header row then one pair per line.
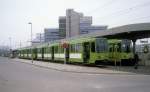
x,y
15,15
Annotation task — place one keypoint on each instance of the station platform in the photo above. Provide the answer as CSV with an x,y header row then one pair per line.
x,y
86,69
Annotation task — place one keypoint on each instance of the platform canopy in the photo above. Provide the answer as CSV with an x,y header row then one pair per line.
x,y
131,31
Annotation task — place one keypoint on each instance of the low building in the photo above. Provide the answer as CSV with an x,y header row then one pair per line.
x,y
51,34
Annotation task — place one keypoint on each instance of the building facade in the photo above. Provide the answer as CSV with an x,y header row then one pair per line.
x,y
39,38
75,23
51,34
72,23
62,27
89,29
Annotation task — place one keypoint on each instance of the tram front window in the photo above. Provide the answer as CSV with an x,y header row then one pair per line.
x,y
101,45
126,46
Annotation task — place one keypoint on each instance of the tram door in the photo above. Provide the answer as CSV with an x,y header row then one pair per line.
x,y
86,52
52,53
66,54
114,52
34,53
42,53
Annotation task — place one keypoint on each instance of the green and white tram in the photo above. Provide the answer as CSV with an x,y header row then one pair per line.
x,y
83,50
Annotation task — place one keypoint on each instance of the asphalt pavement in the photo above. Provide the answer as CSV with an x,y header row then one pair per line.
x,y
23,77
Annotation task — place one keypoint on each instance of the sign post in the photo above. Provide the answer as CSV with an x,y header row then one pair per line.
x,y
66,50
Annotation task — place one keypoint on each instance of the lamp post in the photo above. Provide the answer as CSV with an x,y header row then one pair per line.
x,y
31,42
31,32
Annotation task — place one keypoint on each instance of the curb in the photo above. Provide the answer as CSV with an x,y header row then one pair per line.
x,y
64,70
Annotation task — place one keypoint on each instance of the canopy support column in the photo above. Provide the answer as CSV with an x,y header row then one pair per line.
x,y
134,41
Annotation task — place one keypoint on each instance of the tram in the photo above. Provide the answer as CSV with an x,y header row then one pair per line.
x,y
85,50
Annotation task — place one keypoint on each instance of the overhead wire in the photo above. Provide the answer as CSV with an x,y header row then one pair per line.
x,y
102,6
126,10
137,18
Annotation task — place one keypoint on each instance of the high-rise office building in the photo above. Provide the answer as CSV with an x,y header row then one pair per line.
x,y
62,27
72,23
75,23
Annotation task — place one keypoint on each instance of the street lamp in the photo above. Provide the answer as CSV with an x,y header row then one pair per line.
x,y
31,32
31,41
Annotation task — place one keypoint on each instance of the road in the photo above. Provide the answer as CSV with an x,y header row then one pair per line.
x,y
21,77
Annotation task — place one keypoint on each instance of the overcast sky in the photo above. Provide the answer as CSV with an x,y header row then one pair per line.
x,y
15,15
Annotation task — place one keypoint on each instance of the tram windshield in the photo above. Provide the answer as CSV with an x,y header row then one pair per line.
x,y
101,45
126,45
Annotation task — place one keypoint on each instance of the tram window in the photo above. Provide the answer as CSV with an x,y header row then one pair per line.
x,y
105,46
78,48
101,45
72,48
110,49
119,47
46,50
128,49
29,50
93,46
75,47
126,45
38,50
61,49
56,49
123,47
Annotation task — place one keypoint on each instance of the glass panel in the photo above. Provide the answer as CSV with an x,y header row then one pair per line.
x,y
126,45
78,47
93,46
101,45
